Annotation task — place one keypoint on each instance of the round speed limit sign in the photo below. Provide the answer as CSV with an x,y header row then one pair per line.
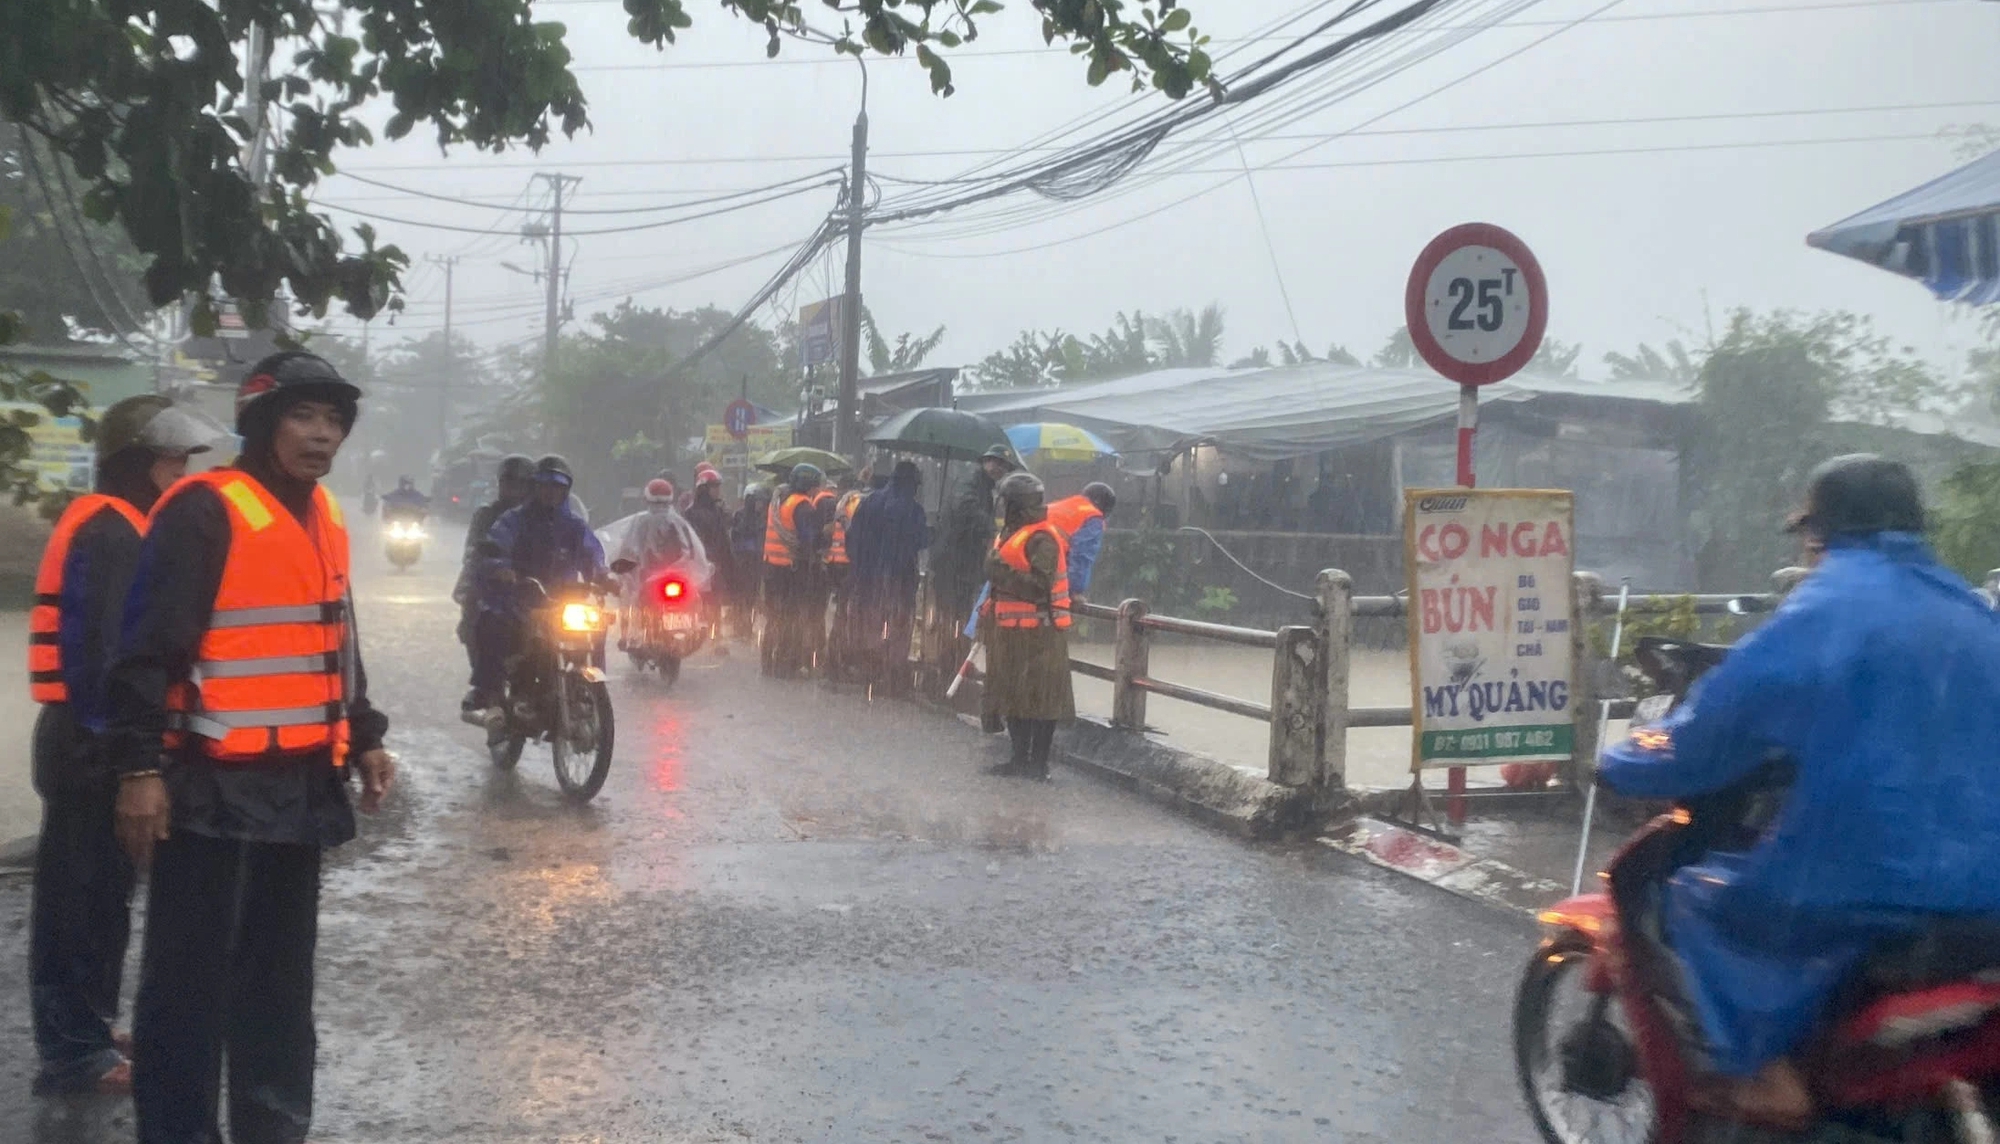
x,y
1476,304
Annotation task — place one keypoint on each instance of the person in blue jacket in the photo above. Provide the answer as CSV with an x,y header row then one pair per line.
x,y
545,539
1878,682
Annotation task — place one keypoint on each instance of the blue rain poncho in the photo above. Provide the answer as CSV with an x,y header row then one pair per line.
x,y
1879,680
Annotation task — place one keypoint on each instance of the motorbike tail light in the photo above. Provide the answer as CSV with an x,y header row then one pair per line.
x,y
673,591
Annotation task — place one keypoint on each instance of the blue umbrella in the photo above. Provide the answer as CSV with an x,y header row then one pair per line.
x,y
1945,234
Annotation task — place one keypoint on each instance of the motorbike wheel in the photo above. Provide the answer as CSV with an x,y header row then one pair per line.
x,y
581,739
670,669
1577,1062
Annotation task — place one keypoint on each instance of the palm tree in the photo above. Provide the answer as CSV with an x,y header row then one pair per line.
x,y
1645,363
1188,339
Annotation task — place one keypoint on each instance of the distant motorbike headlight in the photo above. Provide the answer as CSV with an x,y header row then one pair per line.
x,y
582,618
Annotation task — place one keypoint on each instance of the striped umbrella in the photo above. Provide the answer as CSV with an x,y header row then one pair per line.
x,y
1052,441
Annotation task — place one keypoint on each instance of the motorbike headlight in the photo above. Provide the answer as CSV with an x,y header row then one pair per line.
x,y
582,618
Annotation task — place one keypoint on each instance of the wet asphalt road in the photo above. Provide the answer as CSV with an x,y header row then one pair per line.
x,y
794,915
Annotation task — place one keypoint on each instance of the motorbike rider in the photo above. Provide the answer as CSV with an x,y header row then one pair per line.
x,y
1877,683
404,502
514,481
542,538
657,540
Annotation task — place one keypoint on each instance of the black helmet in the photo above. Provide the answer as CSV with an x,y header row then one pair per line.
x,y
554,469
1002,454
284,377
517,467
806,478
1100,494
1021,491
1861,493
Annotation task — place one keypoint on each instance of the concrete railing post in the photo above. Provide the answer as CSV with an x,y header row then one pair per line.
x,y
1335,590
1296,695
1587,590
1130,661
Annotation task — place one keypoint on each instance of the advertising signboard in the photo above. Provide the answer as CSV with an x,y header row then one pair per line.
x,y
1491,669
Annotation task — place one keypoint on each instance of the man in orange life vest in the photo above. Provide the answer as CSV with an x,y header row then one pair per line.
x,y
795,576
237,711
81,916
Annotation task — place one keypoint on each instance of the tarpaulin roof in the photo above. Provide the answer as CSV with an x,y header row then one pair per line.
x,y
1945,234
1294,411
1272,414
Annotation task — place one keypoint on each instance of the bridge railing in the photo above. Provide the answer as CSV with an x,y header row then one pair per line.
x,y
1308,710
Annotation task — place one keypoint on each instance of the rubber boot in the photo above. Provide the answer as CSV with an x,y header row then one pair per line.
x,y
1021,731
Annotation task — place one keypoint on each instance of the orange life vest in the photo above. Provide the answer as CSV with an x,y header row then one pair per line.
x,y
1072,513
781,532
274,670
45,681
1013,551
843,515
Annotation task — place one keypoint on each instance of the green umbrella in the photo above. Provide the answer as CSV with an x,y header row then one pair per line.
x,y
947,434
783,461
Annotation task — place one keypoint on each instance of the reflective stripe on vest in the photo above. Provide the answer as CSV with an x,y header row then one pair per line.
x,y
274,668
1072,513
781,533
1011,613
45,681
843,515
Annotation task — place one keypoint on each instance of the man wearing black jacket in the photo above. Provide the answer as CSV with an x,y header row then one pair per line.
x,y
514,480
80,920
228,798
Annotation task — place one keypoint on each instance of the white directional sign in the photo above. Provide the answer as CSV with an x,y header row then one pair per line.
x,y
1476,304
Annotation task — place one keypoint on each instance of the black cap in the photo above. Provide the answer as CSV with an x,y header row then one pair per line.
x,y
1001,453
1858,494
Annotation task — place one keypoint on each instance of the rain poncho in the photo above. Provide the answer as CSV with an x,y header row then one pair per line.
x,y
1878,679
657,540
552,545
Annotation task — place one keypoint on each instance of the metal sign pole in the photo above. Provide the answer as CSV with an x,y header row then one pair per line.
x,y
1603,725
1468,428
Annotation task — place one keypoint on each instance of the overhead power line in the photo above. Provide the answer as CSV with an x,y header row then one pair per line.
x,y
654,225
458,200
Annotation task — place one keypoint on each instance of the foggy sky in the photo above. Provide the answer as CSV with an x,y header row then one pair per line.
x,y
1634,245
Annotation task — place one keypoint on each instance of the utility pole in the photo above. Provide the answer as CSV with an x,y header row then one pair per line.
x,y
847,425
552,319
450,264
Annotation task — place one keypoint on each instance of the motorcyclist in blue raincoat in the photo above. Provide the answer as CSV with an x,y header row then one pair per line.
x,y
544,539
1878,682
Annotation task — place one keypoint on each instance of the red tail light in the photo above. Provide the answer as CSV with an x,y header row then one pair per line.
x,y
673,591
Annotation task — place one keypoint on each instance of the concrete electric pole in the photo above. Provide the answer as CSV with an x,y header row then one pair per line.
x,y
445,379
552,318
847,425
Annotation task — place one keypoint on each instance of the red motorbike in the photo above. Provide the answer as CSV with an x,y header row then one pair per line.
x,y
1911,1054
668,623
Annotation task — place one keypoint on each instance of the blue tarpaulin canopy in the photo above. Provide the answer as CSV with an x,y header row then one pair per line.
x,y
1945,234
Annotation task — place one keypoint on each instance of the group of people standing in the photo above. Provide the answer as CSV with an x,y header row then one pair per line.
x,y
839,574
204,710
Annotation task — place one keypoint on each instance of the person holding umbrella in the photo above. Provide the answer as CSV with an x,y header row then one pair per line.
x,y
965,536
1025,627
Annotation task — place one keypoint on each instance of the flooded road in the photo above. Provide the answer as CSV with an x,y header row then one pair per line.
x,y
795,916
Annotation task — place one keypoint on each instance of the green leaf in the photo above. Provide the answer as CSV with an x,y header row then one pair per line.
x,y
1176,20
